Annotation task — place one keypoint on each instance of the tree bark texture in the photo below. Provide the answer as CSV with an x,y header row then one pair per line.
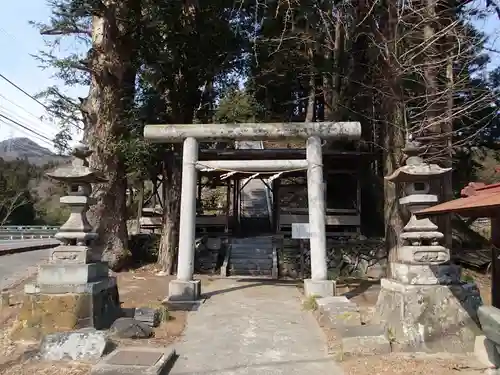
x,y
393,128
394,138
106,111
171,191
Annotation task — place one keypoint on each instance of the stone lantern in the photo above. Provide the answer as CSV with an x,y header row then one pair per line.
x,y
74,290
422,260
422,303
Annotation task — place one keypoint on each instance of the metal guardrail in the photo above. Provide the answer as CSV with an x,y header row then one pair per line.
x,y
20,232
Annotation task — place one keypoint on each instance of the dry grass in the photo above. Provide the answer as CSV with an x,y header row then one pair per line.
x,y
138,288
48,368
413,364
142,288
365,293
310,303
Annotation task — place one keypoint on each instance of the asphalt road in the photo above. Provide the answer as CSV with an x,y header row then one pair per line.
x,y
15,267
19,244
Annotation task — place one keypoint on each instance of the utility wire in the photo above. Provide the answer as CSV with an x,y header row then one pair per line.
x,y
28,134
22,119
32,97
26,128
24,92
23,109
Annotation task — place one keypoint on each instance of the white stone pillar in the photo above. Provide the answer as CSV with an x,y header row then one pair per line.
x,y
187,225
316,201
319,284
185,288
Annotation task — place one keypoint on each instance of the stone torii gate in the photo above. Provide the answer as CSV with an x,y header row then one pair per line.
x,y
185,288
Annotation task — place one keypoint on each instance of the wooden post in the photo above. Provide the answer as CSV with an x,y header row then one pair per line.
x,y
302,263
200,186
276,205
358,199
495,262
140,205
154,199
162,189
235,204
228,208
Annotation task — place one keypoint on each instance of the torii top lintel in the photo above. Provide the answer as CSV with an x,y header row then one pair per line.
x,y
253,131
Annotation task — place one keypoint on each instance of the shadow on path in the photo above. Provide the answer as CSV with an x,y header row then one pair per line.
x,y
251,283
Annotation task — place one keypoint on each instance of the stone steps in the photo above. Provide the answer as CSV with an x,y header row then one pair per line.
x,y
348,321
257,262
253,273
254,195
251,256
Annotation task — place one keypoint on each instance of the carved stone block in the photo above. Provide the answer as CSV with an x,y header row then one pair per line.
x,y
71,254
419,255
53,274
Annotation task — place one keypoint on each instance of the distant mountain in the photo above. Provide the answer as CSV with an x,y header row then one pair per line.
x,y
25,148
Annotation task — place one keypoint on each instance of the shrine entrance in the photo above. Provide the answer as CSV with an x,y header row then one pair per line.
x,y
187,289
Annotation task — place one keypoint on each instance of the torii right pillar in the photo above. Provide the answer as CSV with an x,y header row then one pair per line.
x,y
423,304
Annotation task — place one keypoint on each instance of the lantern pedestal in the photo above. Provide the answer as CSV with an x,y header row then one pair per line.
x,y
74,290
416,274
429,318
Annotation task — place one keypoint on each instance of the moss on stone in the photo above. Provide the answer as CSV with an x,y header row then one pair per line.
x,y
43,314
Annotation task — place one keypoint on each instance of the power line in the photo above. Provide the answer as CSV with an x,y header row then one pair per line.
x,y
22,119
22,108
33,98
28,134
26,128
24,92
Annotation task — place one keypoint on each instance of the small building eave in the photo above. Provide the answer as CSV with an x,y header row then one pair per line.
x,y
481,204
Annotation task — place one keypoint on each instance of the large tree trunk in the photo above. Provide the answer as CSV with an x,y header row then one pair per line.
x,y
106,113
338,51
167,252
332,81
311,95
447,127
393,138
393,127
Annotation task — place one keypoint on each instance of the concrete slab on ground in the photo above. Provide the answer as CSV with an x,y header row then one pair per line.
x,y
134,360
252,327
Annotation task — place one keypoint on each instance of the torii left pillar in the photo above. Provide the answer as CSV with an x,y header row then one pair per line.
x,y
185,288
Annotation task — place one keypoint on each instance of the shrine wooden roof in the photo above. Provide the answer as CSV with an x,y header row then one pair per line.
x,y
478,201
276,153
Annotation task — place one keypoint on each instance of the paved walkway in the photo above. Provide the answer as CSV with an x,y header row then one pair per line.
x,y
250,328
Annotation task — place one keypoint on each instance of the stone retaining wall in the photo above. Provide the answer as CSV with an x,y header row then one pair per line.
x,y
356,258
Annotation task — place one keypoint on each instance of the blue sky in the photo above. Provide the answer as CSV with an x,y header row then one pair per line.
x,y
18,40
